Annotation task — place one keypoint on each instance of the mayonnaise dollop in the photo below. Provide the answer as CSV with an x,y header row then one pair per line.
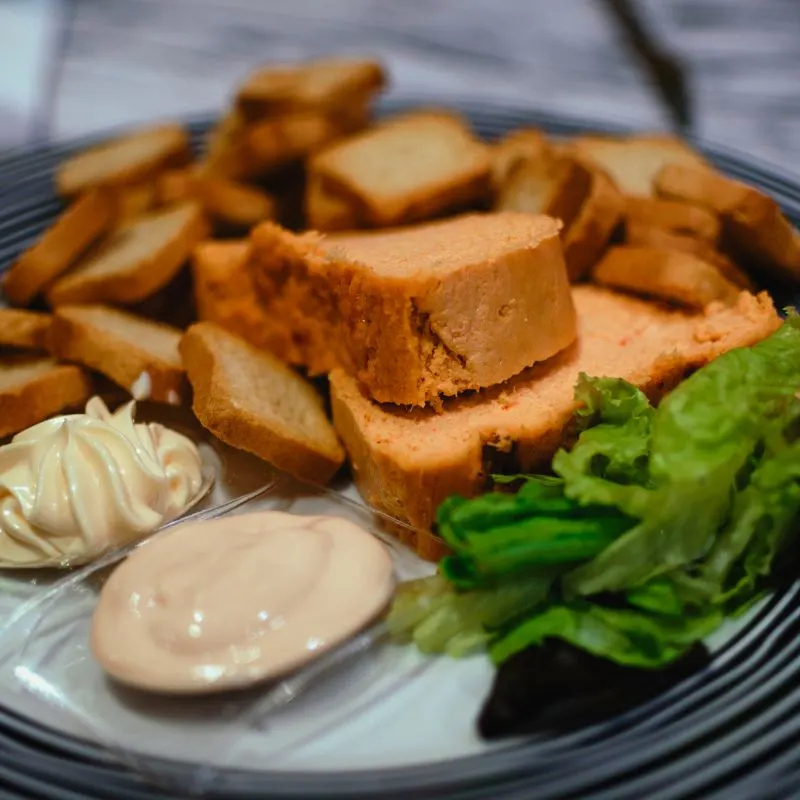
x,y
75,485
222,604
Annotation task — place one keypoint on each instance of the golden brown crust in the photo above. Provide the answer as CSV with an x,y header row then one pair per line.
x,y
107,277
670,275
24,329
135,201
591,230
755,229
115,344
33,399
406,462
674,215
520,145
80,226
126,160
231,204
632,162
409,168
640,234
221,408
324,83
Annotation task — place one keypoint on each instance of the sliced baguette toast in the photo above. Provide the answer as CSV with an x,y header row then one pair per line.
x,y
523,144
139,355
33,389
322,83
633,162
756,229
136,260
408,168
80,226
674,215
135,201
642,235
230,204
407,462
548,185
28,330
126,160
590,232
677,277
254,402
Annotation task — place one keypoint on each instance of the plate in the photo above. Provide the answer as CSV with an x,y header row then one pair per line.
x,y
398,723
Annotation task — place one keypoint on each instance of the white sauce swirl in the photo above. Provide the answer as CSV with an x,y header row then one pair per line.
x,y
75,485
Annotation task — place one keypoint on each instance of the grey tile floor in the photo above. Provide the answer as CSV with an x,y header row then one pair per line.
x,y
103,63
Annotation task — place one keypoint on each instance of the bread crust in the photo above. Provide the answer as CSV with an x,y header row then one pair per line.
x,y
642,235
674,215
28,330
670,275
125,160
756,230
323,83
632,162
91,336
590,232
449,166
33,400
76,229
136,278
218,408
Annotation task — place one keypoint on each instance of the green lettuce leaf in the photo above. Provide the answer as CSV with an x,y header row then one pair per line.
x,y
704,434
628,637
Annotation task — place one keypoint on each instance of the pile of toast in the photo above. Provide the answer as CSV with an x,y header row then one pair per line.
x,y
451,290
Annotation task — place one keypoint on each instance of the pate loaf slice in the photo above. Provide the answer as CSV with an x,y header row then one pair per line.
x,y
420,312
406,462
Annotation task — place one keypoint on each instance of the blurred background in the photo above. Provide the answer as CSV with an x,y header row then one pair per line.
x,y
69,67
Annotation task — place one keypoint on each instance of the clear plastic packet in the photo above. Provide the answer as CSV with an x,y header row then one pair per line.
x,y
48,665
230,476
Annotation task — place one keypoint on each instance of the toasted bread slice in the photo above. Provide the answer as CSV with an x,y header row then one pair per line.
x,y
588,235
135,201
548,185
523,144
668,275
225,154
252,401
136,260
633,162
407,462
27,330
126,160
639,234
275,142
33,389
139,355
326,210
80,226
674,215
323,83
228,203
756,228
409,168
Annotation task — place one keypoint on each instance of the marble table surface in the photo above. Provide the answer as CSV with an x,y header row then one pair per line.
x,y
70,67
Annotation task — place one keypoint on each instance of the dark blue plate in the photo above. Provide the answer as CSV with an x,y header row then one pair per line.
x,y
732,731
